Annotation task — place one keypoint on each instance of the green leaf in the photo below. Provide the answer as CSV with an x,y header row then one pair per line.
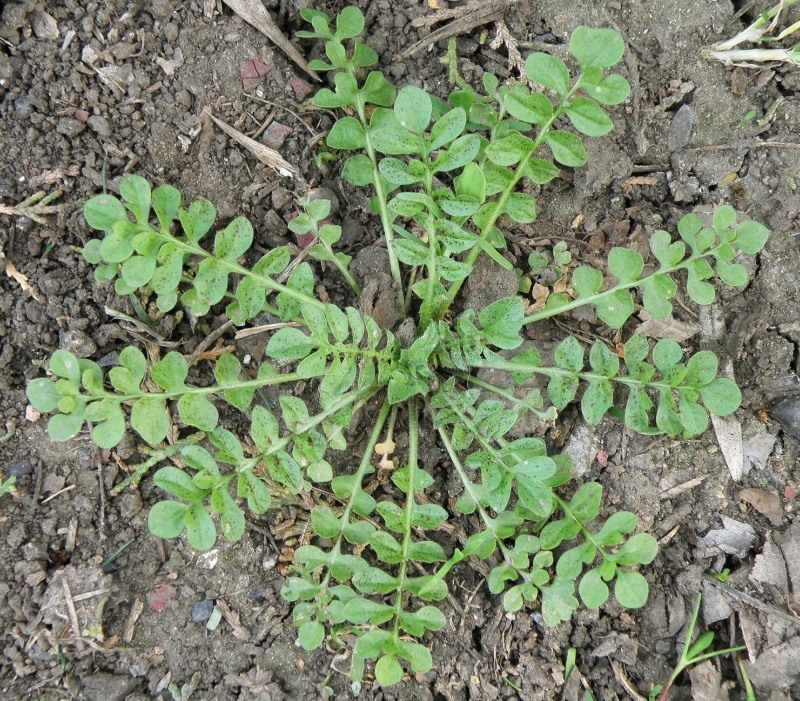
x,y
166,519
177,483
196,410
234,240
462,151
200,530
388,670
615,309
170,372
62,427
549,71
625,264
611,90
472,184
135,190
198,219
349,24
347,135
501,322
721,396
588,118
640,549
558,601
149,419
108,432
567,148
510,149
389,136
520,207
358,171
65,364
701,369
447,128
540,171
597,399
166,203
751,236
378,90
569,355
311,633
289,343
43,395
103,211
413,108
631,590
324,522
534,108
596,48
252,489
593,590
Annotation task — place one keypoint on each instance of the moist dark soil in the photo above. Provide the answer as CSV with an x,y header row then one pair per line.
x,y
91,91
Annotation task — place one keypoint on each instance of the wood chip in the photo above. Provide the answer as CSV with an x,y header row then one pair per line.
x,y
681,488
468,17
263,153
254,13
129,627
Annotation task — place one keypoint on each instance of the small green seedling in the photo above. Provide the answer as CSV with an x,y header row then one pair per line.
x,y
445,177
692,653
8,485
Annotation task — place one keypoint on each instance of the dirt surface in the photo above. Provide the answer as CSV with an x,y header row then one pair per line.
x,y
104,88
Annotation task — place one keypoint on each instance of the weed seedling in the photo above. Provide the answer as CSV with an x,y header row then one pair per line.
x,y
445,177
692,653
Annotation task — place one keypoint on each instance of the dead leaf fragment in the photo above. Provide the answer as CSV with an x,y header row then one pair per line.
x,y
169,67
263,153
776,668
44,25
734,538
670,328
770,568
729,437
766,503
254,13
232,618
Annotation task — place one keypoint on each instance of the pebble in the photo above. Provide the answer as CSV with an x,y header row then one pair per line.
x,y
99,125
201,611
20,469
680,128
78,343
280,198
787,413
69,127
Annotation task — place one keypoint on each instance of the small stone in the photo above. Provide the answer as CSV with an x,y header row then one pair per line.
x,y
78,343
99,125
201,611
680,129
69,127
20,469
280,198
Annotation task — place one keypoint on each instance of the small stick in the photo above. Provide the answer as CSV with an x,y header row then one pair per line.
x,y
472,17
207,341
73,614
